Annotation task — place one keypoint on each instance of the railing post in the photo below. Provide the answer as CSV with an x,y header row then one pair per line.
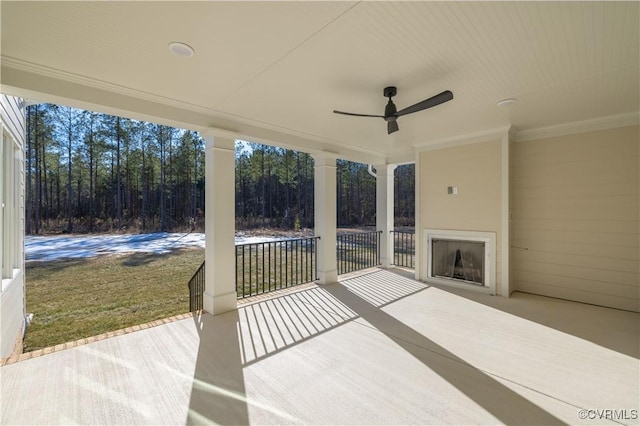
x,y
377,240
196,289
404,248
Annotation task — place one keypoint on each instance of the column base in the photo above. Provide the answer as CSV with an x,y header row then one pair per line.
x,y
329,277
220,303
386,263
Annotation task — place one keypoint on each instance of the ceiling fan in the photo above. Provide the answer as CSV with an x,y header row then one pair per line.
x,y
391,114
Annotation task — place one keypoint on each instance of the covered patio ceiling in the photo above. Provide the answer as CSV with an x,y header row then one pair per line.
x,y
274,71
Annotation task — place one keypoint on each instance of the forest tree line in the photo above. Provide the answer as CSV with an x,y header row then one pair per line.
x,y
91,172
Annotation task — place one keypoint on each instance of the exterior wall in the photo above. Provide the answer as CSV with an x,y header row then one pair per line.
x,y
12,316
12,302
576,217
476,169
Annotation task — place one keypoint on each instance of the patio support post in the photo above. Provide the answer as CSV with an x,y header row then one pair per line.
x,y
325,216
220,272
384,211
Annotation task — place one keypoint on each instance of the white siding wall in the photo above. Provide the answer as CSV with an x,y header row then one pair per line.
x,y
576,217
12,302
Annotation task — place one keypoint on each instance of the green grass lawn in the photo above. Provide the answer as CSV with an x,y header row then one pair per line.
x,y
73,299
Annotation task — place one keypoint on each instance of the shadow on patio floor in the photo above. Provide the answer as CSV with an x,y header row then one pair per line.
x,y
505,404
218,394
231,342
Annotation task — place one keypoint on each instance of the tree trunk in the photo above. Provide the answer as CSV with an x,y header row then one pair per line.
x,y
38,189
162,180
144,183
29,188
69,185
118,176
91,183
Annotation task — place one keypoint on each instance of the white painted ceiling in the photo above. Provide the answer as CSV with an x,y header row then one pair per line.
x,y
274,71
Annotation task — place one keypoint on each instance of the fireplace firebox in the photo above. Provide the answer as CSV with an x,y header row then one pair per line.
x,y
458,260
461,258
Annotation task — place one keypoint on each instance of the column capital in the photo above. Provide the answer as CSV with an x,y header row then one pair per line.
x,y
219,138
324,158
384,169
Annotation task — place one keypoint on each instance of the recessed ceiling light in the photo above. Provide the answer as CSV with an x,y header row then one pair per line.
x,y
181,49
506,102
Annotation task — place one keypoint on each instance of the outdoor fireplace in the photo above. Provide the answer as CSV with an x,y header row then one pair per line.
x,y
458,260
461,258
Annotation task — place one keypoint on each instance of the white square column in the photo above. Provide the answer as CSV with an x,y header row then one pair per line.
x,y
384,211
325,216
220,255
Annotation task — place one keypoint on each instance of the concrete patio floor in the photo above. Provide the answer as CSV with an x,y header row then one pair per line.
x,y
379,348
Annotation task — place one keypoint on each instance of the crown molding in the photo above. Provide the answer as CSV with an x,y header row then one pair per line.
x,y
592,125
57,74
401,158
240,127
466,139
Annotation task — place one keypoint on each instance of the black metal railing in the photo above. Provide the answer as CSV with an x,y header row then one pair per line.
x,y
358,251
404,249
273,265
196,290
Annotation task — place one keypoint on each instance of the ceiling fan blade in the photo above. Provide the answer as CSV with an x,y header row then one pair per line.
x,y
427,103
392,126
357,115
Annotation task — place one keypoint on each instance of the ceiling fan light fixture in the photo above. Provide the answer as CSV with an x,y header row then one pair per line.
x,y
179,48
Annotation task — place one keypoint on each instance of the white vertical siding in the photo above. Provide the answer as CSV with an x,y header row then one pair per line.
x,y
12,298
13,118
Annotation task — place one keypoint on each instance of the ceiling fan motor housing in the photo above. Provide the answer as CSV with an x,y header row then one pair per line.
x,y
390,111
390,91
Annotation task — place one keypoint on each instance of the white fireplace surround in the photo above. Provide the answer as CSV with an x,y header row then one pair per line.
x,y
489,240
